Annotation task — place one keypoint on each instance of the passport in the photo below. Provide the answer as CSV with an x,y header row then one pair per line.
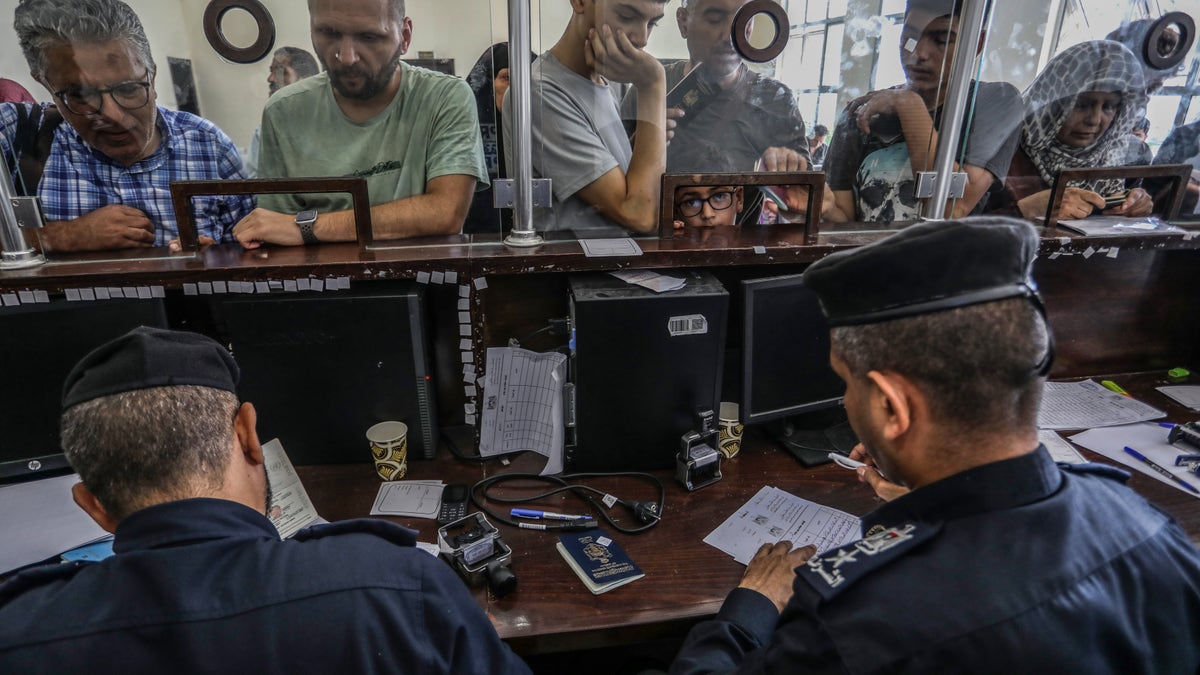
x,y
599,562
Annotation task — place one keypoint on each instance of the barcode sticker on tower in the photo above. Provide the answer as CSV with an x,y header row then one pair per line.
x,y
694,324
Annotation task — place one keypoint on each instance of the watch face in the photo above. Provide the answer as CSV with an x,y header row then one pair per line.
x,y
306,217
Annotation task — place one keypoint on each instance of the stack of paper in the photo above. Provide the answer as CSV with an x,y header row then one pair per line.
x,y
659,283
409,499
1086,404
1184,394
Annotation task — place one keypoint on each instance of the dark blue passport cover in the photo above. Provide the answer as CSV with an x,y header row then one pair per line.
x,y
599,561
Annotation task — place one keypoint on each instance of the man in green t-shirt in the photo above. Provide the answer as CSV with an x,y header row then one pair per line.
x,y
412,133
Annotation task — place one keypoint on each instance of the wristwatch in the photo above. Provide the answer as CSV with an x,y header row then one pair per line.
x,y
305,221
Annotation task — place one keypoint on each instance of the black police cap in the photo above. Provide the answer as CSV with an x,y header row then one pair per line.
x,y
925,268
150,357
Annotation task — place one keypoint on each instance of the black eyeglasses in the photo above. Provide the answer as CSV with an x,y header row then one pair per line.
x,y
88,101
718,201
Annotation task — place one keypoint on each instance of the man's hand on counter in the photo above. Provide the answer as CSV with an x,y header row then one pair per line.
x,y
267,227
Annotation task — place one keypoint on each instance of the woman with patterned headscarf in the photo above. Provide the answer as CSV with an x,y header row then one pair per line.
x,y
1077,114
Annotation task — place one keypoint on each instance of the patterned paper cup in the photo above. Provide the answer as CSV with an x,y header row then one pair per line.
x,y
731,430
389,448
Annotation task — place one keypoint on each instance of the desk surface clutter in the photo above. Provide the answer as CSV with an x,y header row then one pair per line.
x,y
685,578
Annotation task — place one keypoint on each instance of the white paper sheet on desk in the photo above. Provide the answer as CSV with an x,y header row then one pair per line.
x,y
523,405
773,515
40,520
409,498
1148,439
1183,394
1060,450
1087,404
290,510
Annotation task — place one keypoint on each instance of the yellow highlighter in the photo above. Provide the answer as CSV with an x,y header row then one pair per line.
x,y
1113,386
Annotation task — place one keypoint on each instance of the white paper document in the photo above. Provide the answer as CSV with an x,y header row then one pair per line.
x,y
1087,404
610,248
773,515
523,404
1184,394
290,510
1060,449
409,498
659,283
1148,439
39,519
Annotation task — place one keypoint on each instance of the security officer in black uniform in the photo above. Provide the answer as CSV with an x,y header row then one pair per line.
x,y
200,581
998,560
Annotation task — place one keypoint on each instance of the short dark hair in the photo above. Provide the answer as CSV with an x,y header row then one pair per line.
x,y
396,7
978,365
820,130
130,447
299,60
41,24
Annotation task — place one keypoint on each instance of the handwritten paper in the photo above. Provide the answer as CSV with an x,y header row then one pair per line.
x,y
409,498
773,515
522,404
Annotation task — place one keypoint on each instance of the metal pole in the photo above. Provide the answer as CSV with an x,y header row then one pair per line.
x,y
519,69
970,29
14,253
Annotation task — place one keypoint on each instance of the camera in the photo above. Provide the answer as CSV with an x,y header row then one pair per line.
x,y
474,548
698,463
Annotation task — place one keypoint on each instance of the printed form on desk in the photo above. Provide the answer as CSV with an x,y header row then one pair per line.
x,y
773,515
523,405
1087,404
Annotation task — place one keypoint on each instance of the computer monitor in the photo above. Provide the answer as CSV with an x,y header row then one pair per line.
x,y
322,368
39,344
786,377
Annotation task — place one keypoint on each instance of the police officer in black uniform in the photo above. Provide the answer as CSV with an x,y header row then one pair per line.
x,y
200,581
992,559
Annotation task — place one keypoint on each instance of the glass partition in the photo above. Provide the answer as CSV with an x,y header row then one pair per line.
x,y
1103,85
430,132
659,88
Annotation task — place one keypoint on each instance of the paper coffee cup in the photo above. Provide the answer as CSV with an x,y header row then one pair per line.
x,y
731,428
389,448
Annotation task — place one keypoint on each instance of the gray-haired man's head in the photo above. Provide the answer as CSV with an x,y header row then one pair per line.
x,y
41,24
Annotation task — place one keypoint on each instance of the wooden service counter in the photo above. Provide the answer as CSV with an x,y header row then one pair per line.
x,y
1119,304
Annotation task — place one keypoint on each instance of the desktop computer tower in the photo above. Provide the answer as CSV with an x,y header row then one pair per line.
x,y
321,368
641,364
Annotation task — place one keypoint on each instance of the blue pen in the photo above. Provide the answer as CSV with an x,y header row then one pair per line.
x,y
1160,469
1167,425
548,515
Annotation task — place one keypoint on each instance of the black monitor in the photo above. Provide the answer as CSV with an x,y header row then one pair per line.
x,y
786,378
321,368
39,344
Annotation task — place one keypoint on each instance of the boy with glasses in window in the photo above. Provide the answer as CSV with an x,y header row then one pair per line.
x,y
105,181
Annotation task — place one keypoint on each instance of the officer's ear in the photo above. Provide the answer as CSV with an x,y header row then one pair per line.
x,y
87,501
245,431
891,402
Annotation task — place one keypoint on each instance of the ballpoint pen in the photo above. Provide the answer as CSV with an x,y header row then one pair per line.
x,y
1161,470
547,515
844,461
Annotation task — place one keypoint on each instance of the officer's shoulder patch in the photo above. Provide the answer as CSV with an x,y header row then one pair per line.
x,y
401,536
1102,470
833,571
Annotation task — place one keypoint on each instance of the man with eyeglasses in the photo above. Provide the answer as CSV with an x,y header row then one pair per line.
x,y
106,177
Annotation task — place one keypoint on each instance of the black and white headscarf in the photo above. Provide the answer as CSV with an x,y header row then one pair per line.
x,y
1099,65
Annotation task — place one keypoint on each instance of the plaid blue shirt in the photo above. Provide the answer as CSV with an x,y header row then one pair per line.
x,y
78,179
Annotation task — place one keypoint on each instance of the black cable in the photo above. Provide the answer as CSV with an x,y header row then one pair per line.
x,y
648,513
